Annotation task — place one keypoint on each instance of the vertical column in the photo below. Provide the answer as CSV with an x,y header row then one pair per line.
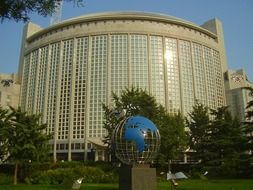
x,y
129,60
37,66
58,96
173,75
24,86
165,74
86,135
192,65
156,63
108,99
45,100
149,66
180,78
72,98
204,67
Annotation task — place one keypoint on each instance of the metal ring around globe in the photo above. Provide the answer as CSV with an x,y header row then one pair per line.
x,y
136,140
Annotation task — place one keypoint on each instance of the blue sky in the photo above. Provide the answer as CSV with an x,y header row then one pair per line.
x,y
236,16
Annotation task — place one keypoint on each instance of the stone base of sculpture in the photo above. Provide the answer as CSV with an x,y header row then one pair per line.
x,y
139,177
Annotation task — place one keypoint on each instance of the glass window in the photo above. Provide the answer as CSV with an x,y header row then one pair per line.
x,y
139,61
210,81
188,98
173,88
157,69
80,84
98,79
199,73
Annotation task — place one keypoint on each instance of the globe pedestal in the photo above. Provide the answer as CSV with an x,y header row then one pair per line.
x,y
139,177
136,141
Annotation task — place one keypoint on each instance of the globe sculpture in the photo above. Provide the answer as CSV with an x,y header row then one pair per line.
x,y
136,140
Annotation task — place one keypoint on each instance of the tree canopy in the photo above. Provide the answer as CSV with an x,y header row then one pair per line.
x,y
173,136
132,101
24,138
20,10
27,138
4,127
135,101
198,124
221,143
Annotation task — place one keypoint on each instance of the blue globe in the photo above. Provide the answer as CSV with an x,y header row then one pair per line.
x,y
136,140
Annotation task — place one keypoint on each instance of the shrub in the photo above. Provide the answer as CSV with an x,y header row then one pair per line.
x,y
5,179
66,176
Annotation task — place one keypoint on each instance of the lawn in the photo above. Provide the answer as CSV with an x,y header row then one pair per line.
x,y
210,185
183,185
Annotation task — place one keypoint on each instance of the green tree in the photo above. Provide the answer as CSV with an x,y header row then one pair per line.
x,y
221,145
4,126
20,10
111,119
27,141
226,143
173,136
135,101
198,124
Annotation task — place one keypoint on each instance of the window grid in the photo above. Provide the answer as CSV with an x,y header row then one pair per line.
x,y
26,69
199,73
209,68
98,81
186,76
218,79
80,88
119,63
173,89
206,67
32,81
41,79
139,61
157,69
64,111
52,87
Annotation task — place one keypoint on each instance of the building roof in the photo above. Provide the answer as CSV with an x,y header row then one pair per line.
x,y
121,16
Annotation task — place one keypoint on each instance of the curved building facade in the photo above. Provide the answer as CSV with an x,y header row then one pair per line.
x,y
69,69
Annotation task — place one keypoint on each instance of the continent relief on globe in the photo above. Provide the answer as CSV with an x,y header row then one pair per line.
x,y
138,129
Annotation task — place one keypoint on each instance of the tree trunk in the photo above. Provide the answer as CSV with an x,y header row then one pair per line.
x,y
169,166
15,174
